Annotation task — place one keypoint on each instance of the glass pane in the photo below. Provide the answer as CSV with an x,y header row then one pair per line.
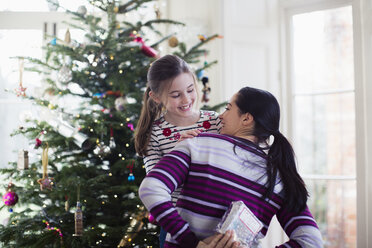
x,y
333,204
325,134
323,50
324,119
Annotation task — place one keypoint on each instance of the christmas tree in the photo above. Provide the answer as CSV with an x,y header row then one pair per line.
x,y
83,190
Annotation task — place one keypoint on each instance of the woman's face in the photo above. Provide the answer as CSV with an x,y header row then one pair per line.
x,y
231,119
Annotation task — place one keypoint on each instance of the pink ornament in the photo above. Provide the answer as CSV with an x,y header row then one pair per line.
x,y
151,219
10,198
149,51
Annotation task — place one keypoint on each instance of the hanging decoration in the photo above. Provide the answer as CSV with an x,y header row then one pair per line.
x,y
22,163
147,50
130,126
130,176
64,75
206,89
10,198
101,149
57,230
45,182
78,216
65,129
120,103
151,219
67,204
173,41
135,226
68,36
20,91
112,143
82,10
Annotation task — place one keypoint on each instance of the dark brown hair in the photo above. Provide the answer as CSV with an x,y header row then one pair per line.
x,y
264,108
161,74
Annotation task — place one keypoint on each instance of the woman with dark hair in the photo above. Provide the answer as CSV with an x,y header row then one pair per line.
x,y
238,164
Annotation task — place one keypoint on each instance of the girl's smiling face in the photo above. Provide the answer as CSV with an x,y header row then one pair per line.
x,y
181,96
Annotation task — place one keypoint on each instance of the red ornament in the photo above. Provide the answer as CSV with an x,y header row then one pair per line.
x,y
10,198
149,51
167,132
206,124
38,143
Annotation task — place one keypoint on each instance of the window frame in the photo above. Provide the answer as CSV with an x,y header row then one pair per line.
x,y
287,9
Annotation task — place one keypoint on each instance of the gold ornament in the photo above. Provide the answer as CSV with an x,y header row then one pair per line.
x,y
45,182
68,36
173,41
78,220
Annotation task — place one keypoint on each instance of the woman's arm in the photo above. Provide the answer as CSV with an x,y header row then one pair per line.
x,y
301,228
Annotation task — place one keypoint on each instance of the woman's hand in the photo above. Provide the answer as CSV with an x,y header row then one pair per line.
x,y
189,134
219,241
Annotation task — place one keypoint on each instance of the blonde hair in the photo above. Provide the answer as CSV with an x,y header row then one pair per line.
x,y
159,78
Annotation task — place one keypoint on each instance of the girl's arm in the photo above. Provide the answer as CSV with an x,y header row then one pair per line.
x,y
153,154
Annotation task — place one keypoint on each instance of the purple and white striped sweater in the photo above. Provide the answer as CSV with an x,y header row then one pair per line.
x,y
213,176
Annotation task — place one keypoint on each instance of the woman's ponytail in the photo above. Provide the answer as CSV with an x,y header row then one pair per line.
x,y
149,112
281,158
264,108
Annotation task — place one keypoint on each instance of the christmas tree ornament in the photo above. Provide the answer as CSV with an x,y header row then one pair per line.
x,y
10,198
64,74
38,143
102,150
78,216
173,41
65,129
149,51
151,219
200,74
82,10
22,163
202,37
120,103
157,12
67,37
78,220
130,126
53,42
130,176
45,182
112,143
20,91
67,204
206,89
57,230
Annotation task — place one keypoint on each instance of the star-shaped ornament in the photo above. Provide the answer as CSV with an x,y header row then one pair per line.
x,y
20,91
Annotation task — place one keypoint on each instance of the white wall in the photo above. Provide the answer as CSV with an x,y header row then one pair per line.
x,y
202,17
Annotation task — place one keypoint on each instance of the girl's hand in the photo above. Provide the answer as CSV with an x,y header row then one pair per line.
x,y
219,241
189,134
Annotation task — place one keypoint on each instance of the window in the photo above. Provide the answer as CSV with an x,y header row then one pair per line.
x,y
323,118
